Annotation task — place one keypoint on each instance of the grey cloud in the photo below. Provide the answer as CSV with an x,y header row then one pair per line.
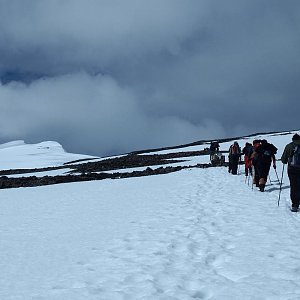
x,y
91,34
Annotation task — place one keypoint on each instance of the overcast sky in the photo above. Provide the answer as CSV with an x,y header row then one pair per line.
x,y
111,76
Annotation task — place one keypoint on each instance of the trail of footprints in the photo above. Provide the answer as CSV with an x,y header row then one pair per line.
x,y
172,262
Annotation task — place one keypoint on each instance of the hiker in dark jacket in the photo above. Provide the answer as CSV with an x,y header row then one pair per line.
x,y
265,156
253,159
214,147
247,151
234,157
293,170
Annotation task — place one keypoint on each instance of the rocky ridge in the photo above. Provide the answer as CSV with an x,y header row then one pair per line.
x,y
97,170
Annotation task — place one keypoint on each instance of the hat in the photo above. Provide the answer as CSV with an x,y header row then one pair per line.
x,y
296,137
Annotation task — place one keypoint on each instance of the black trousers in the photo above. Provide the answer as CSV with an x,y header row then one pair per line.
x,y
294,176
263,169
233,163
256,176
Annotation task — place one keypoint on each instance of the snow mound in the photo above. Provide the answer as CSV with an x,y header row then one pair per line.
x,y
19,155
12,144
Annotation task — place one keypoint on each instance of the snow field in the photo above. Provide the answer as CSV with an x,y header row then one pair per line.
x,y
194,234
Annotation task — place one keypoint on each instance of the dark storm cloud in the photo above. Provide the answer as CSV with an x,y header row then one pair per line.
x,y
114,76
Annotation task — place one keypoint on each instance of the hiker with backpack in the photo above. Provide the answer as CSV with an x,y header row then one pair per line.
x,y
291,156
265,155
214,147
234,157
253,159
247,151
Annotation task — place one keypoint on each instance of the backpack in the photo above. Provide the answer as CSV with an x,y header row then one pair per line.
x,y
295,157
248,150
269,150
266,152
214,146
234,150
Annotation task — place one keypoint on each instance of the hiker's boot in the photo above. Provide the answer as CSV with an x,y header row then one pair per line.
x,y
261,184
262,187
294,209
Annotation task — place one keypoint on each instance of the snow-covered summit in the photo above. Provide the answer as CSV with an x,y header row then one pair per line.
x,y
12,144
19,155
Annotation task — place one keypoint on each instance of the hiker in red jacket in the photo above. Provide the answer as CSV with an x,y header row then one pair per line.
x,y
247,151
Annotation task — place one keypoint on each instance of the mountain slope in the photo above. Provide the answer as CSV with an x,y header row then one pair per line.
x,y
193,234
52,165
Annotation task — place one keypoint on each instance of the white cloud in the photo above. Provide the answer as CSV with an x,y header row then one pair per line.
x,y
90,114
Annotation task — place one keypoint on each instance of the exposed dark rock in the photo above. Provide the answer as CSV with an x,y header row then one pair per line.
x,y
97,170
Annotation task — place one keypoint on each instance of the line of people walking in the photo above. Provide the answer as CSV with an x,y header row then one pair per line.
x,y
257,157
260,156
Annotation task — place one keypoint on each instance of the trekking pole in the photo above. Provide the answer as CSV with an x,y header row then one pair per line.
x,y
277,174
270,179
252,175
249,179
280,188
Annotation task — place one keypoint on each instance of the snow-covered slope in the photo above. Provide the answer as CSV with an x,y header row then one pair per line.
x,y
18,155
192,234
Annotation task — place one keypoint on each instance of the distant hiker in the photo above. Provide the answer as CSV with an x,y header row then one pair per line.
x,y
265,155
234,157
214,147
291,156
247,151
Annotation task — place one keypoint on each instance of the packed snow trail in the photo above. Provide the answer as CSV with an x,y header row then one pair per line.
x,y
194,234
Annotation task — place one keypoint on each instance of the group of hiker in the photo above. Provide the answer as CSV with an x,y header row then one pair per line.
x,y
260,156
